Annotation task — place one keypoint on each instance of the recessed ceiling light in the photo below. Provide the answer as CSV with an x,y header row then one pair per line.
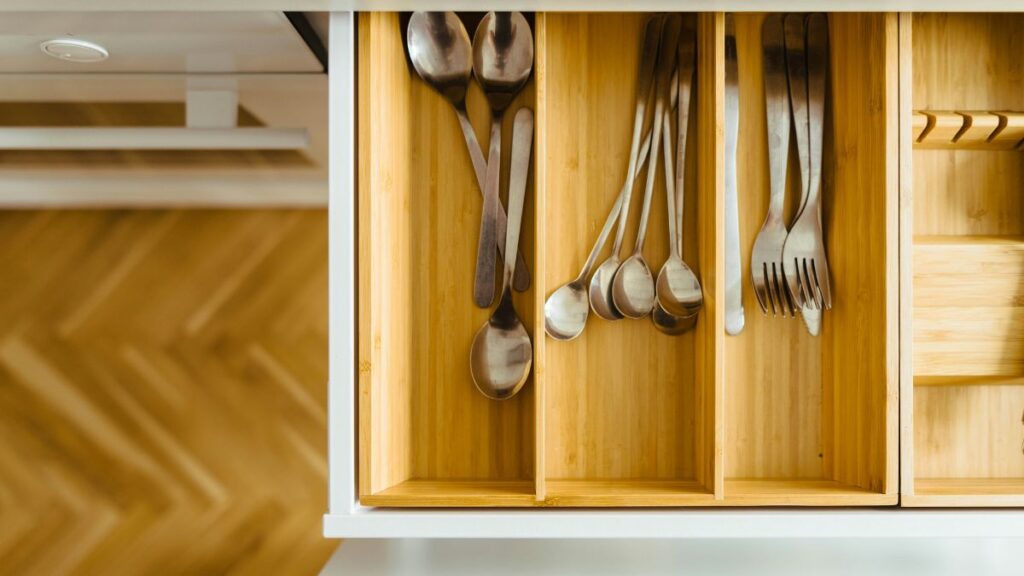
x,y
74,50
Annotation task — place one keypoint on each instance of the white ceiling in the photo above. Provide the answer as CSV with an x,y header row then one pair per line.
x,y
158,42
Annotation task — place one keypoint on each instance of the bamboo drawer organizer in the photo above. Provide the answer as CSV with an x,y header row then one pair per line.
x,y
921,359
963,227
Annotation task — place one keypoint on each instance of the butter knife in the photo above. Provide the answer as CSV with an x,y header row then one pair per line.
x,y
734,318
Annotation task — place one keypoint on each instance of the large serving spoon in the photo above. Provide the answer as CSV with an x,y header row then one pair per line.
x,y
633,285
566,310
601,284
678,289
442,55
502,61
502,355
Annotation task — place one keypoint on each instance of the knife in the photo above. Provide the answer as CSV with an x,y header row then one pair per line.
x,y
734,319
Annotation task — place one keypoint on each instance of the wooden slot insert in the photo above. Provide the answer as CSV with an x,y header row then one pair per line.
x,y
812,421
966,386
624,424
426,435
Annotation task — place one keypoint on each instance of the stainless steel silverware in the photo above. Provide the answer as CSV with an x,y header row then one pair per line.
x,y
442,54
502,62
601,300
766,273
502,355
734,318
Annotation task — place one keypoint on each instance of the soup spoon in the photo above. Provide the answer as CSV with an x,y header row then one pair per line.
x,y
633,285
601,283
502,62
442,55
502,354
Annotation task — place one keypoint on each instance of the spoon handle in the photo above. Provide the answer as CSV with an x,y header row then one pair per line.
x,y
687,67
522,142
666,64
644,93
613,216
521,276
670,184
483,285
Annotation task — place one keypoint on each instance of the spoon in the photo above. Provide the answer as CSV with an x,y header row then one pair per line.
x,y
502,355
442,55
678,289
502,61
633,285
601,284
566,310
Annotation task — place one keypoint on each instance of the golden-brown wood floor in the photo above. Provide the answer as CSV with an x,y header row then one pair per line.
x,y
162,392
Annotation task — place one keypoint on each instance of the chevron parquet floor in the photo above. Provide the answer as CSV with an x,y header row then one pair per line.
x,y
162,392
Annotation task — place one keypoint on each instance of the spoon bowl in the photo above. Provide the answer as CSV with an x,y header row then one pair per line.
x,y
601,300
678,290
501,355
671,324
441,52
633,287
566,311
502,56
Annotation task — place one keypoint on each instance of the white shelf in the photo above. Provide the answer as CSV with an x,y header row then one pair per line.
x,y
693,523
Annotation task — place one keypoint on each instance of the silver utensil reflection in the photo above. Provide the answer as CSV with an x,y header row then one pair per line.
x,y
601,300
502,62
804,257
442,55
734,319
766,273
566,309
633,285
502,355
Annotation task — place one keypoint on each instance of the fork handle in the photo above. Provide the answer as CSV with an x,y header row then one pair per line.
x,y
776,89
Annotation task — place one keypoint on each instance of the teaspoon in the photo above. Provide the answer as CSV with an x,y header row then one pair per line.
x,y
601,284
502,354
502,61
678,289
633,285
566,310
442,55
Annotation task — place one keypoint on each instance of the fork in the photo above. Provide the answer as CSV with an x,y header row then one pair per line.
x,y
804,259
766,260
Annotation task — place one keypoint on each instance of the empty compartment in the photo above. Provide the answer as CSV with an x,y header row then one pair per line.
x,y
628,411
427,437
967,270
813,420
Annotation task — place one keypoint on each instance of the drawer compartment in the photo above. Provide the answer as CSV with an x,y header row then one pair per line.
x,y
623,415
963,390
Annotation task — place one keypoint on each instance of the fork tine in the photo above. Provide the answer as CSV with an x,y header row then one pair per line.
x,y
812,293
792,273
805,289
773,278
767,286
757,291
823,284
778,292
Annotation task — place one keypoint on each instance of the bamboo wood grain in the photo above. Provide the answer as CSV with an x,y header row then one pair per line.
x,y
420,415
909,133
621,400
800,408
966,393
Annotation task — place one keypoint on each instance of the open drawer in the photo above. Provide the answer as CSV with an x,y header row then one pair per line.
x,y
963,393
624,415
